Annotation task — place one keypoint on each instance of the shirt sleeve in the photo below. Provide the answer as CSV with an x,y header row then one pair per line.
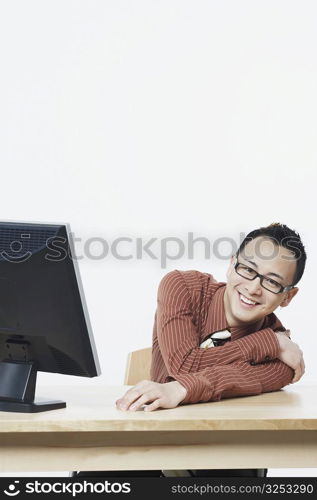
x,y
179,340
237,379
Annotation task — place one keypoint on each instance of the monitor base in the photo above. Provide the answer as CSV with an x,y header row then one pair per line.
x,y
17,389
35,407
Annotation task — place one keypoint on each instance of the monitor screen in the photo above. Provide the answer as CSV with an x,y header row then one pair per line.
x,y
44,322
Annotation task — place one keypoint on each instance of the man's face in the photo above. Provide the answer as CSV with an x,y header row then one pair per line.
x,y
269,259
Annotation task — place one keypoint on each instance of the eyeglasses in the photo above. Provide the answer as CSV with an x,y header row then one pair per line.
x,y
267,283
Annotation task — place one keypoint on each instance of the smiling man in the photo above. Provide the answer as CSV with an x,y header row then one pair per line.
x,y
214,340
248,301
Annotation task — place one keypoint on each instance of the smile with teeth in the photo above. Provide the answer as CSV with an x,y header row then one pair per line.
x,y
247,301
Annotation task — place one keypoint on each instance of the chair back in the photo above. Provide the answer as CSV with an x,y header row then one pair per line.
x,y
138,366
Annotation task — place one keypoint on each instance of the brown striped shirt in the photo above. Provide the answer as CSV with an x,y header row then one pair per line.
x,y
189,308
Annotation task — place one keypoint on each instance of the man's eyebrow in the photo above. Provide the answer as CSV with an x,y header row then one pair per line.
x,y
268,274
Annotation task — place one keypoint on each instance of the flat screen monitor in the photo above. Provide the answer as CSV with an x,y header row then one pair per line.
x,y
44,321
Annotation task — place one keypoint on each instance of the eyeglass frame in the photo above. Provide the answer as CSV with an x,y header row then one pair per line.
x,y
262,277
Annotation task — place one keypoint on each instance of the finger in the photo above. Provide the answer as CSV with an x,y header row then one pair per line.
x,y
153,406
140,402
123,397
128,393
120,400
135,392
301,369
302,364
128,398
297,374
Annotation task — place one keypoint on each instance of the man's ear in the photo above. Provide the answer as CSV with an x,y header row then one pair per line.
x,y
289,296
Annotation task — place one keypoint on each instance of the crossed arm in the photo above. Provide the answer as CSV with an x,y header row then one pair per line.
x,y
236,379
261,362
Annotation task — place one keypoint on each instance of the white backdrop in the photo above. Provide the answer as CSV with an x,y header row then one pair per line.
x,y
146,119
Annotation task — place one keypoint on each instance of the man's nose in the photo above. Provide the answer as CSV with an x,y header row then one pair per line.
x,y
254,286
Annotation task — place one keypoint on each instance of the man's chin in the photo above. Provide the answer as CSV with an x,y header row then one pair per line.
x,y
246,316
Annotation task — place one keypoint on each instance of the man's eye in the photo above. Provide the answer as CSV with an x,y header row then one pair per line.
x,y
249,270
272,282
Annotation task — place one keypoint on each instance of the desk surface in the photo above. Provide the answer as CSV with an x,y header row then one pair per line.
x,y
294,408
277,429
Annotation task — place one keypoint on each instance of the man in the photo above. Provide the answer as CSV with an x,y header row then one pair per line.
x,y
251,350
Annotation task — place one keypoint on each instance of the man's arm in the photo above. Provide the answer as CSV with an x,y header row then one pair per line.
x,y
243,378
240,378
291,354
179,340
237,379
212,384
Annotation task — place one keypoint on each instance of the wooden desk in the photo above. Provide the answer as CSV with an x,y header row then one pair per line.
x,y
273,430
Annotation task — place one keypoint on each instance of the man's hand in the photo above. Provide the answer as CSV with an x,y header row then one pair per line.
x,y
167,395
291,355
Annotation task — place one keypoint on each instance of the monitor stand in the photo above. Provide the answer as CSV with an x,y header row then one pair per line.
x,y
17,389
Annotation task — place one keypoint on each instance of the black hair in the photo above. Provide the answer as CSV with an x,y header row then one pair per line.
x,y
283,236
